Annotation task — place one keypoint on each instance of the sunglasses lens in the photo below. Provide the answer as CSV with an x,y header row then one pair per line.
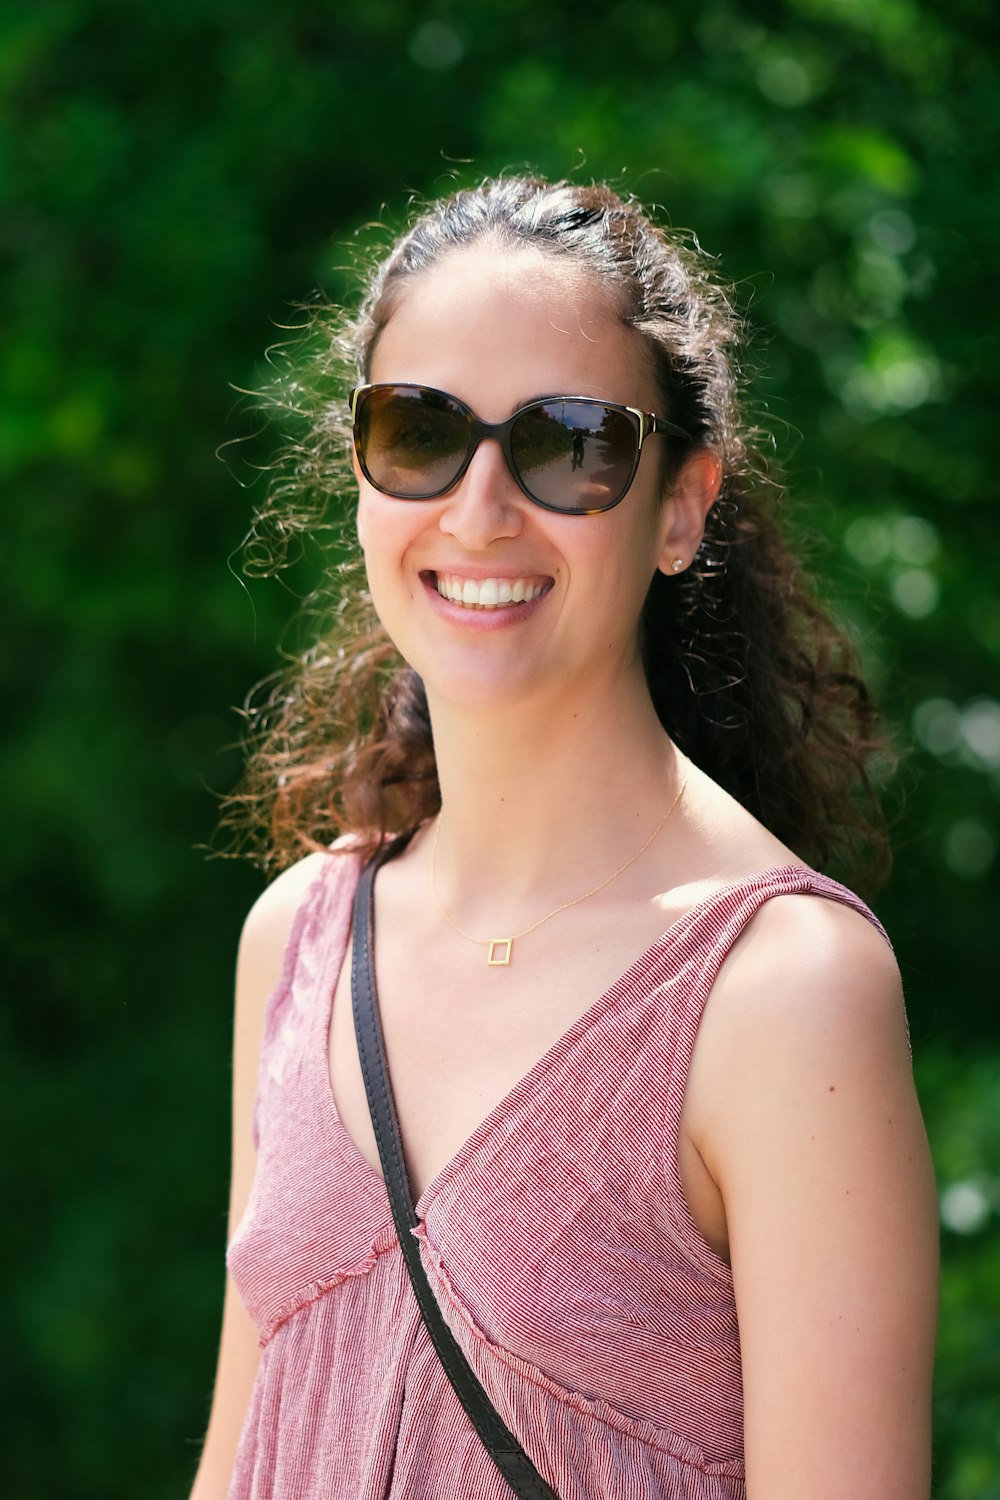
x,y
412,442
574,455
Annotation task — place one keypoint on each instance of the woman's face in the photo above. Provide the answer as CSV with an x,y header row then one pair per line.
x,y
492,599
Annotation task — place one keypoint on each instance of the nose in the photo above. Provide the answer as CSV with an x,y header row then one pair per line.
x,y
486,504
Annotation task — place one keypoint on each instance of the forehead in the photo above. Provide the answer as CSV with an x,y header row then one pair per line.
x,y
501,326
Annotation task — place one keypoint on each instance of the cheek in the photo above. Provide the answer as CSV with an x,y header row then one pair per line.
x,y
631,547
380,529
386,531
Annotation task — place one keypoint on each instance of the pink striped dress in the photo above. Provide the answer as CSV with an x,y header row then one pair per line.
x,y
558,1242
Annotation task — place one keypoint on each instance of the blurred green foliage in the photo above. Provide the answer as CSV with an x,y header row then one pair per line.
x,y
171,176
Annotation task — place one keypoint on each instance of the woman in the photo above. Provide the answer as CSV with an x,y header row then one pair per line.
x,y
651,1070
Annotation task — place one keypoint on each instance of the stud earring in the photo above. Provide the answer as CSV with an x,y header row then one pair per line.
x,y
677,564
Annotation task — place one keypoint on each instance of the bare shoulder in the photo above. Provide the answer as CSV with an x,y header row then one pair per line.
x,y
807,1013
259,965
277,904
807,967
805,964
269,924
804,1038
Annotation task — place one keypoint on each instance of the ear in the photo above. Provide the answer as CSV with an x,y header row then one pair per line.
x,y
686,508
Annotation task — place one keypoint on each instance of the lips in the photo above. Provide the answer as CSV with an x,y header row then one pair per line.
x,y
488,593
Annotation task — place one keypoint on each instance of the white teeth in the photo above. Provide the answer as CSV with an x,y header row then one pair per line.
x,y
486,593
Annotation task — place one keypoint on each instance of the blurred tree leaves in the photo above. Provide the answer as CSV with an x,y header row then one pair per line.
x,y
173,179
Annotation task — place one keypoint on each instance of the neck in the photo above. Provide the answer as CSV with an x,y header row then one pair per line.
x,y
538,805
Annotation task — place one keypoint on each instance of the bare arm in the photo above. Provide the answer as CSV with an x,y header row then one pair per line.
x,y
813,1134
258,969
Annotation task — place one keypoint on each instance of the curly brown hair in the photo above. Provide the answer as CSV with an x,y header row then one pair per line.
x,y
747,671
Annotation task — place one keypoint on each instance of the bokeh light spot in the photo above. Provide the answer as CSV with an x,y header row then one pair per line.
x,y
981,730
965,1208
915,592
969,848
436,46
868,541
937,724
915,540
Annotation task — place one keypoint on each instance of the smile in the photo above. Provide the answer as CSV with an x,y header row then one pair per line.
x,y
487,593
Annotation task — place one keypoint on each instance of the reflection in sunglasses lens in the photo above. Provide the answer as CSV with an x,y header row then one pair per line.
x,y
573,455
414,442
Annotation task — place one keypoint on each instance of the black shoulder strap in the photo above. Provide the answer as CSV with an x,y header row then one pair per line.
x,y
506,1452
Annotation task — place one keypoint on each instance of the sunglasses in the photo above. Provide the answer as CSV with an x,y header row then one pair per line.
x,y
572,454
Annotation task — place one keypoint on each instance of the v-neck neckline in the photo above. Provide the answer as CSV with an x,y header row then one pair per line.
x,y
526,1085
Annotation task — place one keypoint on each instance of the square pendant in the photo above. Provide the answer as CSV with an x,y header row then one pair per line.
x,y
500,951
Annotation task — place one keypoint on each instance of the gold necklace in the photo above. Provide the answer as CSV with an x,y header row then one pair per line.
x,y
500,951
